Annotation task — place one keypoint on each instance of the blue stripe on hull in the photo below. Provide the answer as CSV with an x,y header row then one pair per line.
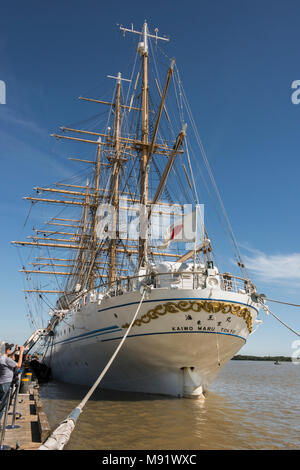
x,y
91,334
176,332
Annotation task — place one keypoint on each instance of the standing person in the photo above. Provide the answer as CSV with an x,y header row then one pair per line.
x,y
7,367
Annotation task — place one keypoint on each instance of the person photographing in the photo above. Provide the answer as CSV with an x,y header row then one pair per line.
x,y
7,368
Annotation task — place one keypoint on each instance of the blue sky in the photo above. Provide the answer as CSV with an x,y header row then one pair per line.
x,y
237,60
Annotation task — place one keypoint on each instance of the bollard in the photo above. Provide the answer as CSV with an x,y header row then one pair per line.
x,y
24,388
28,375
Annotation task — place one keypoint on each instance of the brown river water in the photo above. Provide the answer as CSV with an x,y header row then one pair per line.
x,y
251,405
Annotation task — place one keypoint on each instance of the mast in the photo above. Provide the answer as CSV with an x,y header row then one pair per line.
x,y
144,164
115,179
143,235
82,253
94,236
115,183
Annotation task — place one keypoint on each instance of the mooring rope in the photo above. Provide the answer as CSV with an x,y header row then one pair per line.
x,y
60,437
88,395
267,310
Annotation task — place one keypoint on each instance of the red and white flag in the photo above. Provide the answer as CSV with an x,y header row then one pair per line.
x,y
183,230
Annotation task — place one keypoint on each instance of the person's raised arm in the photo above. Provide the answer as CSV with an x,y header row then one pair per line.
x,y
19,363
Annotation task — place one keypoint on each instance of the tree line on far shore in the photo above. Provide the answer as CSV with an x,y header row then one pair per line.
x,y
262,358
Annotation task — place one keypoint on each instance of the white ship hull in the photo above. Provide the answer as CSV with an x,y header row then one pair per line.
x,y
178,344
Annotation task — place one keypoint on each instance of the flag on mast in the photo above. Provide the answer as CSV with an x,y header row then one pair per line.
x,y
184,229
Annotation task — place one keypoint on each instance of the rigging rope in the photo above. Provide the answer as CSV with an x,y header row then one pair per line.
x,y
284,303
267,310
208,168
29,212
60,437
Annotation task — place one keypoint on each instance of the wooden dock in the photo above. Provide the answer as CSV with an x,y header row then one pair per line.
x,y
32,427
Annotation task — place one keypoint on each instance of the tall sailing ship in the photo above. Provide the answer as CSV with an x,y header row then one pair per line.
x,y
130,236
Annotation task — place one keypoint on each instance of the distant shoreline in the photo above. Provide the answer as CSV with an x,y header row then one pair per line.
x,y
262,358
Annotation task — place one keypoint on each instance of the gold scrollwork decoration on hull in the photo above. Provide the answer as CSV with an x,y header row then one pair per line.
x,y
208,306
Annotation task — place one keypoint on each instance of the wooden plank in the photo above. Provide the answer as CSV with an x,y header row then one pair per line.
x,y
32,428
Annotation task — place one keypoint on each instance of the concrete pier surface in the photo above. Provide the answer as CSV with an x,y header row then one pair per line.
x,y
31,427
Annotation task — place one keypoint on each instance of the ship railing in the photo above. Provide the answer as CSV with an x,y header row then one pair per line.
x,y
180,280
